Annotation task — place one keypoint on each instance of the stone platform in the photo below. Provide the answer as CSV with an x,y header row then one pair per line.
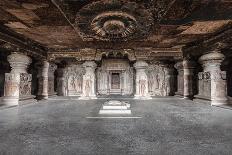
x,y
115,107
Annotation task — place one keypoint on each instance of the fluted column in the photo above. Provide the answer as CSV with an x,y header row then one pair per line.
x,y
89,81
43,80
141,81
180,78
188,67
19,64
216,78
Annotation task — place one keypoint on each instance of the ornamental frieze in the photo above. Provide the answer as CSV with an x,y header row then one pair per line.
x,y
216,75
89,54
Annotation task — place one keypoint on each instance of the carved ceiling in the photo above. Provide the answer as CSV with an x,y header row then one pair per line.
x,y
71,25
114,21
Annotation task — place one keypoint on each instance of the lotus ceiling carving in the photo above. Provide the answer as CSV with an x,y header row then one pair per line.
x,y
114,21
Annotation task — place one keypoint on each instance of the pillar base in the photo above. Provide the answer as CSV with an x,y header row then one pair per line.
x,y
218,102
208,100
27,99
87,98
142,97
10,101
42,97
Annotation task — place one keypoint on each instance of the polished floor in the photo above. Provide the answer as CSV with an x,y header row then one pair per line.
x,y
159,126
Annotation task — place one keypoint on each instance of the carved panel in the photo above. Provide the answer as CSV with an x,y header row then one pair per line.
x,y
73,77
11,84
160,80
25,84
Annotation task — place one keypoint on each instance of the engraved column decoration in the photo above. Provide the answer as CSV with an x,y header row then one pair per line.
x,y
141,81
89,81
13,87
188,67
211,63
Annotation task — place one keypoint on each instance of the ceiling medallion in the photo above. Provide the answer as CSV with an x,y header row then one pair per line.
x,y
114,21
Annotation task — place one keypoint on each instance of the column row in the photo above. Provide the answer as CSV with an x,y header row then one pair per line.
x,y
211,82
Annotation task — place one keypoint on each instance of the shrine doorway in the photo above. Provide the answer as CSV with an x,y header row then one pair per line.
x,y
115,76
115,82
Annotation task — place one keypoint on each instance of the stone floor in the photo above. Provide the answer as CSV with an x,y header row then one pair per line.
x,y
161,126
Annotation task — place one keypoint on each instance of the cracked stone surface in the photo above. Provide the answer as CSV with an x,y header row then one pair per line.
x,y
168,126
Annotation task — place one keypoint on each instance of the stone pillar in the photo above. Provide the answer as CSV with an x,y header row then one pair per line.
x,y
51,79
188,67
141,84
169,78
60,82
43,80
211,63
89,81
180,78
19,64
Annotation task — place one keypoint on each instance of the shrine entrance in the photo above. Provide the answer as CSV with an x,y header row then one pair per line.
x,y
115,82
115,76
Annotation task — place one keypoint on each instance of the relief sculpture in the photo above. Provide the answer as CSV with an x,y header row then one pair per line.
x,y
73,80
25,84
156,80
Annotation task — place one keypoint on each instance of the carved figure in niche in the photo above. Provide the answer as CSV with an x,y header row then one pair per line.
x,y
73,85
142,87
161,78
157,81
88,87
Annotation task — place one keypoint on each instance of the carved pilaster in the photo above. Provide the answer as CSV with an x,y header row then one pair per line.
x,y
89,81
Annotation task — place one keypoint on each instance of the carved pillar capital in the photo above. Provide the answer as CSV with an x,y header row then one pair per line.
x,y
52,68
140,64
211,61
18,62
189,64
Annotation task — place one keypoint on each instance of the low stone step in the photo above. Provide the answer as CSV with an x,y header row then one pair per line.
x,y
114,111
